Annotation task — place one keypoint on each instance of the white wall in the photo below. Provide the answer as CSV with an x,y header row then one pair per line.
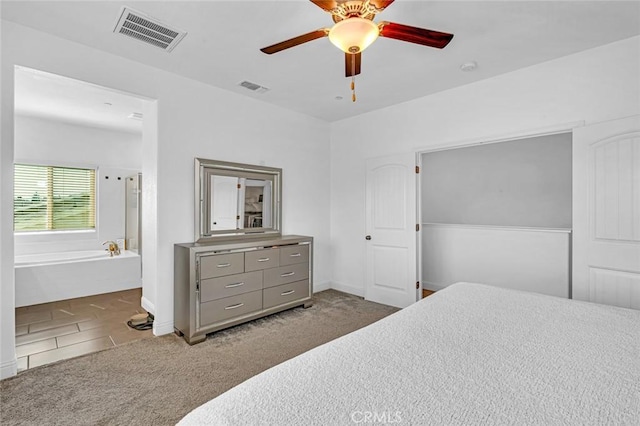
x,y
524,182
536,260
193,120
591,86
114,153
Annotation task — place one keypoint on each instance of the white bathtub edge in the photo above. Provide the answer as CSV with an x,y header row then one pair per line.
x,y
97,255
61,281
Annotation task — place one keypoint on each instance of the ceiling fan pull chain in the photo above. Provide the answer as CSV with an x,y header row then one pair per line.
x,y
353,80
353,88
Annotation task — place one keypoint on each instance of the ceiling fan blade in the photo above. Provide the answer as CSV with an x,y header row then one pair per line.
x,y
381,4
352,63
295,41
417,35
326,5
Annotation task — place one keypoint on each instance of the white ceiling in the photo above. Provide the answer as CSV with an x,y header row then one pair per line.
x,y
49,96
224,38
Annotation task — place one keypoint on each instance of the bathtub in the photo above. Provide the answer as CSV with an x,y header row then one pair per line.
x,y
48,277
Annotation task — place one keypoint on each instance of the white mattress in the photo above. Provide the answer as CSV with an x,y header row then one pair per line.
x,y
469,354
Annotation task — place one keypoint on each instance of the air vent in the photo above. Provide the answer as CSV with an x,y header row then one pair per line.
x,y
139,26
135,116
253,86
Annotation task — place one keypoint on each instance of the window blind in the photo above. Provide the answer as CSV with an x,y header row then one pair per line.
x,y
48,198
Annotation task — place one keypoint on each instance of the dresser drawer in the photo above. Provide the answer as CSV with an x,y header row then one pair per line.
x,y
230,285
279,295
285,274
290,255
261,259
221,264
230,307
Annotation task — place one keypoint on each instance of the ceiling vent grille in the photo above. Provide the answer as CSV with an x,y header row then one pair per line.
x,y
139,26
253,86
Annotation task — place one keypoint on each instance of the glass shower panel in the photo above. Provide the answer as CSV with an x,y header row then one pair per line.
x,y
132,207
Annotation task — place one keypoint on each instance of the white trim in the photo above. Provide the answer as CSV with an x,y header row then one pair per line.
x,y
506,137
147,305
9,368
498,227
357,291
418,220
56,232
318,287
160,329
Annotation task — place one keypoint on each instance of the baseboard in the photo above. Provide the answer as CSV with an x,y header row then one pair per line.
x,y
432,286
160,329
318,287
357,291
8,369
147,305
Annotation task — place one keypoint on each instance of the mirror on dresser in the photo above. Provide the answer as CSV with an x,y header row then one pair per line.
x,y
235,200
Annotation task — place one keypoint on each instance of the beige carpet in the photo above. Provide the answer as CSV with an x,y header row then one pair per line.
x,y
157,381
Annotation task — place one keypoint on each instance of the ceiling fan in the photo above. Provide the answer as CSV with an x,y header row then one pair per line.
x,y
354,30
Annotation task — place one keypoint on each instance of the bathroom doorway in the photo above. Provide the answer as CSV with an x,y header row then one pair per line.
x,y
76,147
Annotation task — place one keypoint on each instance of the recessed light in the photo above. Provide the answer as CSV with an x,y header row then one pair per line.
x,y
469,66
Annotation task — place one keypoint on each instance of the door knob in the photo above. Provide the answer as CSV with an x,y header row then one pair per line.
x,y
368,237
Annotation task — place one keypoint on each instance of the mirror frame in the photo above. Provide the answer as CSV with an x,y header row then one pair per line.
x,y
204,169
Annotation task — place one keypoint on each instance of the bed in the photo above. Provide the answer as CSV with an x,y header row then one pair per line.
x,y
469,354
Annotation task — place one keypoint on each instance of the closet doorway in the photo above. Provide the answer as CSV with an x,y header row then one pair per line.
x,y
498,213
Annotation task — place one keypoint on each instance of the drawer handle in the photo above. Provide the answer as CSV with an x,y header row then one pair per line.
x,y
223,265
288,274
263,259
295,255
237,305
286,293
233,285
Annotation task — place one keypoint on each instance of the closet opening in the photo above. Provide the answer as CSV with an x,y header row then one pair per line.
x,y
498,213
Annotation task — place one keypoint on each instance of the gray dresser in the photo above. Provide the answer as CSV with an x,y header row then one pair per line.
x,y
221,284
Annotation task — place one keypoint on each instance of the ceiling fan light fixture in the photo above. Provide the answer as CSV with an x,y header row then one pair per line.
x,y
353,35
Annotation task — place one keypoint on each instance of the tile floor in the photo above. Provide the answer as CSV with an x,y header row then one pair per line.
x,y
54,331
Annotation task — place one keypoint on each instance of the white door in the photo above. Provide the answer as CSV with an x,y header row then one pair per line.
x,y
606,213
391,230
224,211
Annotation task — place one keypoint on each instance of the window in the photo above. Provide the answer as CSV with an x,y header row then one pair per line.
x,y
50,198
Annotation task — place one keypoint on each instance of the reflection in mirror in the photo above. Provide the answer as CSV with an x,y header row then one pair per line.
x,y
237,203
257,193
234,199
224,202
